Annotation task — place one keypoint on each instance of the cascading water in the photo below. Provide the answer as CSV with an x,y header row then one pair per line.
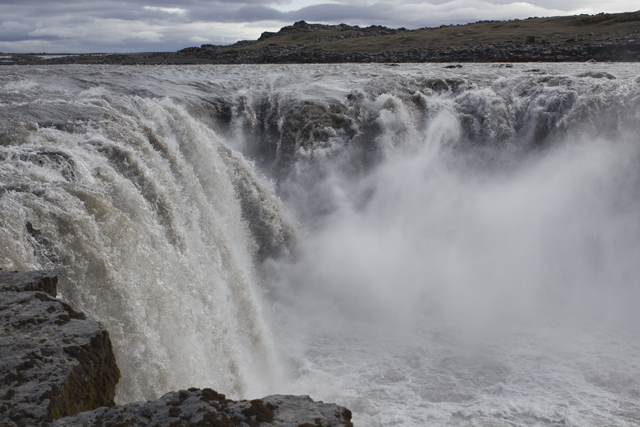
x,y
436,247
138,210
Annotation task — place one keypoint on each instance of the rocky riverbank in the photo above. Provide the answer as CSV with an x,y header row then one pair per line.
x,y
58,369
622,49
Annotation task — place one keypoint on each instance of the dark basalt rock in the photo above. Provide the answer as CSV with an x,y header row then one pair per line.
x,y
58,369
614,49
304,27
598,75
624,49
53,362
29,281
201,408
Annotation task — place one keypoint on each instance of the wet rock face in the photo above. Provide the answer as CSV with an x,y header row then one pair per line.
x,y
201,408
29,281
302,411
53,362
57,369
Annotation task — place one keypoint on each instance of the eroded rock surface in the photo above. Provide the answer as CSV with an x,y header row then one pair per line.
x,y
29,281
202,408
58,369
53,362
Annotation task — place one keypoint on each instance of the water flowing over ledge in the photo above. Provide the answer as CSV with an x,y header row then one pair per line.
x,y
148,233
420,245
58,368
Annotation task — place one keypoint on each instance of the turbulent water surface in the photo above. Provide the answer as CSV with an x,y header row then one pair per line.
x,y
426,246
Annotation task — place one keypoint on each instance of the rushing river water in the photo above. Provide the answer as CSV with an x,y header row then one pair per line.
x,y
426,246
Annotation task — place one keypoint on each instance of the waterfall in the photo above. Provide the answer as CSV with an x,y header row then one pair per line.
x,y
423,246
141,213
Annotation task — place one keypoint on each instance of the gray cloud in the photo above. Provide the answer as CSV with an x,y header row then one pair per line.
x,y
146,25
376,14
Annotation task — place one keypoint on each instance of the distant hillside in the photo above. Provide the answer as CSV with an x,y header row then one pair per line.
x,y
564,38
601,37
567,30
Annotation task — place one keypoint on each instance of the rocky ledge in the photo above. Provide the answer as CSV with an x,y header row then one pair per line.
x,y
58,369
53,362
625,49
204,408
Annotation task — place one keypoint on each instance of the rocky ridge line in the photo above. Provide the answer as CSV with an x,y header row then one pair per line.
x,y
618,49
207,408
304,27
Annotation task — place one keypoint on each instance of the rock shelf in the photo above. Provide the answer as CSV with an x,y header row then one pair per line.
x,y
58,369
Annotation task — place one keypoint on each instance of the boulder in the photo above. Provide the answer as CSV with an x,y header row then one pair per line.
x,y
29,281
203,408
598,75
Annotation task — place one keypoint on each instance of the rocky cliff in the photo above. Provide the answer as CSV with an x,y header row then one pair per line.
x,y
53,362
204,408
58,369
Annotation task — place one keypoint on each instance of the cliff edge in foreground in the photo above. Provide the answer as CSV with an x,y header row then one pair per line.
x,y
207,408
53,362
58,369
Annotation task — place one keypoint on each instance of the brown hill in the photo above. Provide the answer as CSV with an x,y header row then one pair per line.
x,y
601,37
568,30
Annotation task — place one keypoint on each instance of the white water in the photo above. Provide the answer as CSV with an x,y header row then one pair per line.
x,y
461,257
145,229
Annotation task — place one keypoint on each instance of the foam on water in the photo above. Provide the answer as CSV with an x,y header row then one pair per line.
x,y
463,248
451,299
140,216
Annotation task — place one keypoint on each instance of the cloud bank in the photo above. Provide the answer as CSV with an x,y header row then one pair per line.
x,y
81,26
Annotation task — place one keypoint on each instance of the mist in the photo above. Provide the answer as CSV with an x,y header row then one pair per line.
x,y
492,256
550,234
423,246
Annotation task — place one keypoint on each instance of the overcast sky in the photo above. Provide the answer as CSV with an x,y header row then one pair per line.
x,y
80,26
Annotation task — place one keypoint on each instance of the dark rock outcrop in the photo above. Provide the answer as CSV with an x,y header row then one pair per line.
x,y
36,281
304,27
618,49
53,362
58,369
201,408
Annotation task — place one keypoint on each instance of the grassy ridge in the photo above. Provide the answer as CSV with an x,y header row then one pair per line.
x,y
579,29
601,37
